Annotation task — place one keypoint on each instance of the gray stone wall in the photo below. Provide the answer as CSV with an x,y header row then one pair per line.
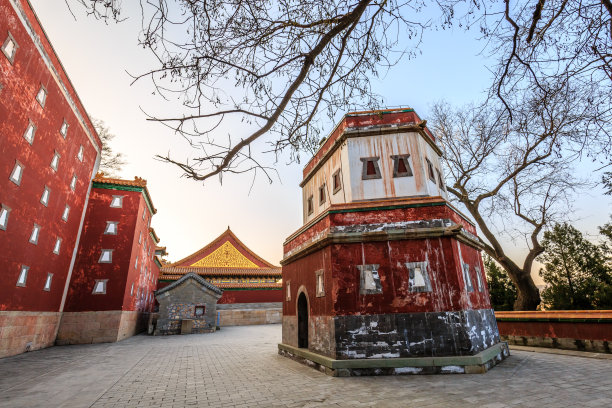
x,y
180,302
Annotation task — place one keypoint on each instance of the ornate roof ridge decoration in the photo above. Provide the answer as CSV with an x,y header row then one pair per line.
x,y
184,278
138,184
225,236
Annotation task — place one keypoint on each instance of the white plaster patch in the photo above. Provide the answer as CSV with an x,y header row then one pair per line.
x,y
408,370
385,355
453,369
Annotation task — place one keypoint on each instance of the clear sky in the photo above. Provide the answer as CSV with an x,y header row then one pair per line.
x,y
98,58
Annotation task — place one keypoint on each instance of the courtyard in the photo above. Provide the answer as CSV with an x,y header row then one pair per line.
x,y
240,367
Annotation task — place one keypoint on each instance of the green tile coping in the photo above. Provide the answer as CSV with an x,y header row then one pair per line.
x,y
553,319
478,359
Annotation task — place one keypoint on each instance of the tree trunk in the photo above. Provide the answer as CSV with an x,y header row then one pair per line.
x,y
528,295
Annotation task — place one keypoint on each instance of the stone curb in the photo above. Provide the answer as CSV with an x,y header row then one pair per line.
x,y
574,353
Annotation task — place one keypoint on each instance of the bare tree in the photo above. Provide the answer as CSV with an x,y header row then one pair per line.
x,y
111,162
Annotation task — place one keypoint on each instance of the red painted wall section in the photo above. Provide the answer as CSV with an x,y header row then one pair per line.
x,y
341,278
20,81
561,330
132,241
251,296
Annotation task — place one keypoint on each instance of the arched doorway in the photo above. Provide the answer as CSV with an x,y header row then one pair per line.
x,y
302,311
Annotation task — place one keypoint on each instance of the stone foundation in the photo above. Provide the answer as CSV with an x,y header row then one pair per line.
x,y
476,364
245,317
26,331
100,327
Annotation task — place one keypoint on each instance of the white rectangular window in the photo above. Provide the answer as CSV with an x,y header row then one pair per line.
x,y
29,133
117,201
9,48
106,256
55,160
34,235
57,246
320,283
99,287
288,294
73,182
66,213
48,282
17,173
41,96
418,277
132,290
466,278
44,198
4,216
479,279
23,276
140,237
370,283
80,154
111,227
144,212
136,264
64,129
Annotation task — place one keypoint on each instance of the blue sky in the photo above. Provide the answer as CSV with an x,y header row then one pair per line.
x,y
97,58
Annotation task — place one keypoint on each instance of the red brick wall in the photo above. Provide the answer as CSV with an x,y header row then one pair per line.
x,y
20,82
251,296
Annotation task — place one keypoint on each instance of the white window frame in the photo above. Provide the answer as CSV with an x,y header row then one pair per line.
x,y
11,57
48,282
35,234
80,153
55,160
320,282
5,213
108,227
479,280
23,272
58,245
132,290
370,282
423,268
30,132
73,182
103,252
17,180
466,277
136,264
41,99
66,213
117,197
288,293
44,198
64,129
140,238
95,286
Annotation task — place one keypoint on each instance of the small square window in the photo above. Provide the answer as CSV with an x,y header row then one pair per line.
x,y
34,235
23,276
73,182
44,198
117,201
4,216
440,181
370,279
57,246
99,287
66,213
430,171
479,280
401,165
370,169
106,256
55,161
418,277
9,48
320,276
41,96
80,154
17,173
309,205
199,311
64,129
29,133
48,282
111,227
336,181
467,279
322,195
288,294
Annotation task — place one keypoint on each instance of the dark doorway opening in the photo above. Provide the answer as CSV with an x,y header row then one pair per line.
x,y
302,311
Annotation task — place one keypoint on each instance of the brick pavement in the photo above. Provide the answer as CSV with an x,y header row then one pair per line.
x,y
239,367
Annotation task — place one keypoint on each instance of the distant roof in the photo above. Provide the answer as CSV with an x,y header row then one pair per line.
x,y
138,184
184,278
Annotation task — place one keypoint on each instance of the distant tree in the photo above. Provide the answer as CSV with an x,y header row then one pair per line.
x,y
501,289
575,270
111,162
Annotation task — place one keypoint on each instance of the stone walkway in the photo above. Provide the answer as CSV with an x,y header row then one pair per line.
x,y
239,367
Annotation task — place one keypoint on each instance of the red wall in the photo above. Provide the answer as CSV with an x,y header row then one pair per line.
x,y
20,83
251,296
562,330
122,272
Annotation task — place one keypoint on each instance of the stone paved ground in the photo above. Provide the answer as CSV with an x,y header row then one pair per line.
x,y
239,367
